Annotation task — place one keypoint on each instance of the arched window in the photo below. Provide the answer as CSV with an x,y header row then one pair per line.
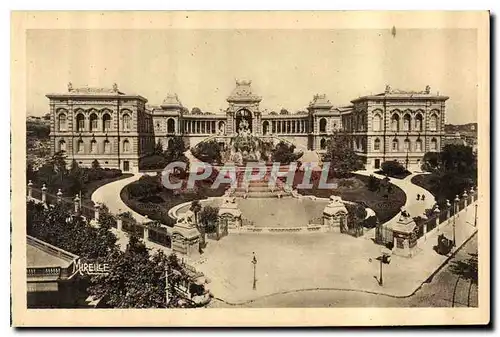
x,y
418,145
376,144
434,144
322,144
395,122
171,125
406,122
418,122
395,145
80,148
62,145
407,145
222,127
433,122
93,146
107,146
126,146
377,123
126,122
322,125
106,122
62,122
265,127
80,122
93,122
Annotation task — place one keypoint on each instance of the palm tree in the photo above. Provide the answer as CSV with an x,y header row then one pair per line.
x,y
208,219
195,208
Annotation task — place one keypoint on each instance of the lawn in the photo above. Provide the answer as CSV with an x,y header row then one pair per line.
x,y
426,181
355,189
159,200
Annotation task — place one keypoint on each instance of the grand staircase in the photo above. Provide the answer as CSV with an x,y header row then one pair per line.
x,y
259,188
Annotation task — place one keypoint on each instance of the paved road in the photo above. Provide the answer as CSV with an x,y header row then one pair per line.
x,y
437,293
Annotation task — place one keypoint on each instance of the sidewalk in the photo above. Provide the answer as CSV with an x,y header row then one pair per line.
x,y
413,206
109,195
289,263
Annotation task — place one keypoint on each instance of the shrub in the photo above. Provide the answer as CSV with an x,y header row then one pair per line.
x,y
373,183
393,168
346,183
154,162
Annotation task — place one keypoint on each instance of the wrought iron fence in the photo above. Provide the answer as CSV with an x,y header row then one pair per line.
x,y
133,228
160,237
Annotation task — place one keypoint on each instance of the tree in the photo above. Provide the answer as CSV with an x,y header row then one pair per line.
x,y
56,225
95,165
431,161
158,149
195,208
208,219
459,159
373,183
284,153
196,111
137,278
208,152
342,158
175,151
393,168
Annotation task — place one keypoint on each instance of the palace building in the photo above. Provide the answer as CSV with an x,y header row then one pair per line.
x,y
118,129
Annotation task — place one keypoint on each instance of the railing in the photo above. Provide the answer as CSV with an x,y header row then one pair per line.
x,y
43,271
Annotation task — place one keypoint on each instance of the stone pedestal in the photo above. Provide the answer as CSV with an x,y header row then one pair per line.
x,y
335,214
229,215
404,240
185,236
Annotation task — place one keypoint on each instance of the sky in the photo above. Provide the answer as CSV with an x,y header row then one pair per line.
x,y
287,67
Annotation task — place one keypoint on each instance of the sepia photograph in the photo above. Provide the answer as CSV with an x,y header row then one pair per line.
x,y
268,160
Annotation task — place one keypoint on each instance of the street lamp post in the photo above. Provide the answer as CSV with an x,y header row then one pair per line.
x,y
457,199
254,262
407,143
475,215
166,286
385,257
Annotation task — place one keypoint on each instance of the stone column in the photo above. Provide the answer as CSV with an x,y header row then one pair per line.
x,y
146,229
472,195
77,203
96,211
448,209
119,223
44,193
457,206
437,211
59,196
30,190
465,198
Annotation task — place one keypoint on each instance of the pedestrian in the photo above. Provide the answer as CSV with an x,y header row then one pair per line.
x,y
423,197
418,196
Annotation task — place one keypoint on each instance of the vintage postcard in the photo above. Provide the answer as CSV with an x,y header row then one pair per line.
x,y
250,168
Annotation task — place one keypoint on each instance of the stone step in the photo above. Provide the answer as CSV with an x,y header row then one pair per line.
x,y
260,194
256,189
